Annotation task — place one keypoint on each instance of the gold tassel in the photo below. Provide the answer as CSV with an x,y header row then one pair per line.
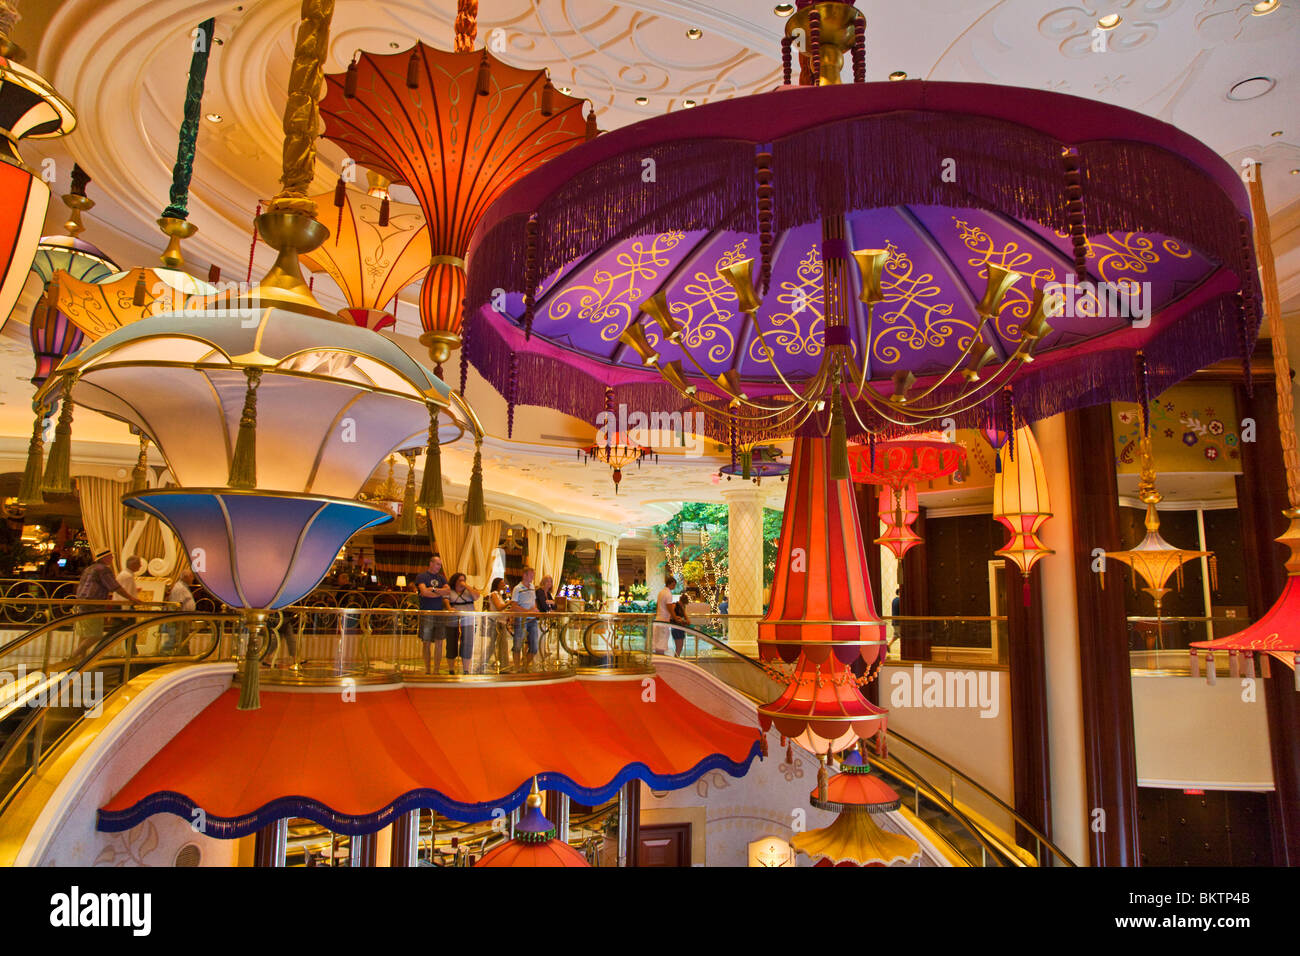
x,y
592,130
407,523
139,477
1214,572
250,696
475,510
839,470
58,468
548,98
762,745
823,781
789,754
140,293
29,492
431,486
243,465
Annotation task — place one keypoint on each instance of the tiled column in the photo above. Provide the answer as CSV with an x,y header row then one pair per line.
x,y
744,560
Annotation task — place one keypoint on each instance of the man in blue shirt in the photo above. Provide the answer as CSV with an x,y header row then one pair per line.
x,y
432,588
525,598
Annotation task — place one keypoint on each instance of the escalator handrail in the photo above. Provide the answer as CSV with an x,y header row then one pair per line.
x,y
984,791
104,644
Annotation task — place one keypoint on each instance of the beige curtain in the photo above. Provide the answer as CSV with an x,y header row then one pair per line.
x,y
449,534
476,553
609,573
105,521
552,559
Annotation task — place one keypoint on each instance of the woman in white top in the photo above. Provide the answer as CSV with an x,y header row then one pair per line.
x,y
664,614
462,598
498,599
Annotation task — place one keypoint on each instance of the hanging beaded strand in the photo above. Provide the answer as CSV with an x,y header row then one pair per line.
x,y
814,44
530,276
763,174
252,247
785,60
1247,310
860,49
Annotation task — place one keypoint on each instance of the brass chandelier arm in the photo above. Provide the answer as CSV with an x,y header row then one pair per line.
x,y
815,387
735,398
913,415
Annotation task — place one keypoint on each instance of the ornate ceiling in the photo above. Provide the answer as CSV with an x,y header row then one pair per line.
x,y
122,63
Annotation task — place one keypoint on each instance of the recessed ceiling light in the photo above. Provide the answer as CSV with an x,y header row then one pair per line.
x,y
1264,7
694,33
1110,21
783,9
1276,132
898,75
213,117
565,90
642,100
688,103
1295,172
1252,88
393,44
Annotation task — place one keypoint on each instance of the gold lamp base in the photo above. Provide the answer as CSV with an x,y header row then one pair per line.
x,y
836,36
440,344
290,233
175,230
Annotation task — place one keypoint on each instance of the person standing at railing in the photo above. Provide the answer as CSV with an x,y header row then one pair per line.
x,y
181,595
663,614
460,636
432,587
524,597
97,583
679,616
497,600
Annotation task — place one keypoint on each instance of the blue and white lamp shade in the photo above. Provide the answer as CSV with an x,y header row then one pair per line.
x,y
257,550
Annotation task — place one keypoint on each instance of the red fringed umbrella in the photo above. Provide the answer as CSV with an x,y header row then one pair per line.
x,y
457,128
822,616
899,466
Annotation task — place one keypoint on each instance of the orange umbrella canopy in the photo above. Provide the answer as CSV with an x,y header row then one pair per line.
x,y
377,248
457,128
465,751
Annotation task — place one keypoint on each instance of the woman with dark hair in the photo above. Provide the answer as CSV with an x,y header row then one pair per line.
x,y
462,598
497,599
679,616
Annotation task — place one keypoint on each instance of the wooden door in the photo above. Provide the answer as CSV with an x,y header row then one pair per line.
x,y
664,844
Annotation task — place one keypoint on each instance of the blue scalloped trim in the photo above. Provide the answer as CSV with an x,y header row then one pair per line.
x,y
229,828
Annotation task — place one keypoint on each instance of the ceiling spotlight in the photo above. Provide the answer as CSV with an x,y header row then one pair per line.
x,y
565,90
1110,21
783,9
1276,132
213,117
1264,7
898,75
688,103
1252,88
694,33
642,100
392,44
1295,172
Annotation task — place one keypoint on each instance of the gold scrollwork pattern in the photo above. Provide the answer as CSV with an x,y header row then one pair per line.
x,y
703,312
799,330
1018,303
913,315
612,297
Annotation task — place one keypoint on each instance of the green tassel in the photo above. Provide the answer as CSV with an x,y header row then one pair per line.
x,y
139,478
250,696
839,440
29,492
58,467
475,510
407,525
431,486
243,466
746,465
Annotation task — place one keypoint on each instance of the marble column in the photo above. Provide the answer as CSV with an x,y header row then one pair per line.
x,y
1069,792
654,572
744,561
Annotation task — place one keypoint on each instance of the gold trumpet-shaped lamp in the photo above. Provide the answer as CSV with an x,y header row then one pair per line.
x,y
841,382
